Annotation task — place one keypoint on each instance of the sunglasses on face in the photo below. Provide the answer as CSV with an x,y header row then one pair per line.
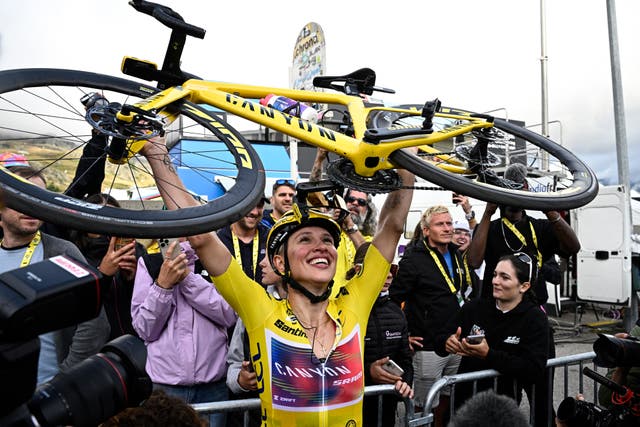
x,y
358,200
523,257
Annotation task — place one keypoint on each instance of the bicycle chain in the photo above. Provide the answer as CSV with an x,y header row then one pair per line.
x,y
341,172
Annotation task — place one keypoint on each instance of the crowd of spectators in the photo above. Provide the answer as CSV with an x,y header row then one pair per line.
x,y
456,279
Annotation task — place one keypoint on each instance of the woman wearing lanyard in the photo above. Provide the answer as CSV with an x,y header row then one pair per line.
x,y
508,333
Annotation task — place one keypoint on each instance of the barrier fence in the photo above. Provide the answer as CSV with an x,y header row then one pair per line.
x,y
407,416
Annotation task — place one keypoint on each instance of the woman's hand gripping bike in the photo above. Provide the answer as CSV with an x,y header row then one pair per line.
x,y
41,113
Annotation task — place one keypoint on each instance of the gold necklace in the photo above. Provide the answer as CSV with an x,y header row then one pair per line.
x,y
324,353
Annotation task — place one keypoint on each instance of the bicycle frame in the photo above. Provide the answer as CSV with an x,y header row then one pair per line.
x,y
367,158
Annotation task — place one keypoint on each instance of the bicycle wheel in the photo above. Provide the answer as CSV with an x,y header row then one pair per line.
x,y
41,116
556,179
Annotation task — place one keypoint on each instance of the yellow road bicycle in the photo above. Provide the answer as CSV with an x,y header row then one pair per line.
x,y
459,150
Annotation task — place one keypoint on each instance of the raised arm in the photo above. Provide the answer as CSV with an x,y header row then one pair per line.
x,y
393,216
567,238
213,254
316,170
475,251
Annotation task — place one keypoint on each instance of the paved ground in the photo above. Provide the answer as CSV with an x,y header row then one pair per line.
x,y
574,335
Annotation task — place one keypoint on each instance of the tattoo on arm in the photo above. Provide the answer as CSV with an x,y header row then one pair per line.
x,y
167,161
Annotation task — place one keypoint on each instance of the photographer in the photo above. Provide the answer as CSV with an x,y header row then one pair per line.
x,y
619,395
626,376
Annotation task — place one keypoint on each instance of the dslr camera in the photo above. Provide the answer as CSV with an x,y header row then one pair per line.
x,y
48,296
610,352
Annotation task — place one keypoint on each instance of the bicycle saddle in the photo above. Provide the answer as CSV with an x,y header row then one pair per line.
x,y
361,81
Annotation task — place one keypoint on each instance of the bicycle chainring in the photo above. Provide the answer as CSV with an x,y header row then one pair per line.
x,y
103,119
342,172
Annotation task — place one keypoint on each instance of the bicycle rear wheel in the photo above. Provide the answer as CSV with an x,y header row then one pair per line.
x,y
42,117
556,179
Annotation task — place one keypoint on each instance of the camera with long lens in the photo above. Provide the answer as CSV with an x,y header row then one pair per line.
x,y
610,352
48,296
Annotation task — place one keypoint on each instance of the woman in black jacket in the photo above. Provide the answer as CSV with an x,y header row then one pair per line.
x,y
515,330
387,339
118,267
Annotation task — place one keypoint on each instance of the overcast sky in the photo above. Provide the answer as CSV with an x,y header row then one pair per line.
x,y
478,55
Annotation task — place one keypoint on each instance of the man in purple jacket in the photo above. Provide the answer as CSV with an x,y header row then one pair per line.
x,y
183,321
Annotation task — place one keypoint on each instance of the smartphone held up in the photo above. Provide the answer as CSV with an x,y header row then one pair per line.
x,y
165,244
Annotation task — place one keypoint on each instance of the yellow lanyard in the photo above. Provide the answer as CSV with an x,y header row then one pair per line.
x,y
520,237
465,263
33,244
447,278
238,255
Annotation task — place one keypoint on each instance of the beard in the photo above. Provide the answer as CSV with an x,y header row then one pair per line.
x,y
22,230
357,219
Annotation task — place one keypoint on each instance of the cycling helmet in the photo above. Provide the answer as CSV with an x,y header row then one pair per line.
x,y
12,159
295,219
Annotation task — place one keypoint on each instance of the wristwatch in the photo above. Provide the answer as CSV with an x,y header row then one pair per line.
x,y
470,215
352,229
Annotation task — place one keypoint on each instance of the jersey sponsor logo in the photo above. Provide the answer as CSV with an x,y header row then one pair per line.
x,y
299,382
512,340
297,332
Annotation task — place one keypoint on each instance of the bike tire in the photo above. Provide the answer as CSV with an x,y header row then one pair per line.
x,y
578,188
32,123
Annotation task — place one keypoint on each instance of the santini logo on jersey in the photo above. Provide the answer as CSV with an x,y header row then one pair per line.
x,y
288,329
512,340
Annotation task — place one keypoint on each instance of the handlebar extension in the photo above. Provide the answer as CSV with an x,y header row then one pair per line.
x,y
168,17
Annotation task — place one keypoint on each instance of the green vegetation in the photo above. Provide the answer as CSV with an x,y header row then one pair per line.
x,y
58,160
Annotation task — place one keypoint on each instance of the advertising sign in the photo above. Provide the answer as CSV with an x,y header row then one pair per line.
x,y
309,57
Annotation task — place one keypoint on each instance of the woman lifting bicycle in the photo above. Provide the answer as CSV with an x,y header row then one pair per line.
x,y
306,349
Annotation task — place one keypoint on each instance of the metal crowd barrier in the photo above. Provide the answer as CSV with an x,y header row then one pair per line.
x,y
564,362
245,405
407,417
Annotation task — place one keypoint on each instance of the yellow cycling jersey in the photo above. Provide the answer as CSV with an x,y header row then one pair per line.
x,y
296,388
346,254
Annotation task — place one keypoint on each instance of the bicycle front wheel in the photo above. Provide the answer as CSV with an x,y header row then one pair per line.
x,y
555,178
41,116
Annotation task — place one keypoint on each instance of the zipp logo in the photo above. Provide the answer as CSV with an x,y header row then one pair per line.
x,y
512,340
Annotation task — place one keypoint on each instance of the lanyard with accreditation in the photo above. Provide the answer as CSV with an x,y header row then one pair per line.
x,y
447,278
238,256
520,237
28,254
